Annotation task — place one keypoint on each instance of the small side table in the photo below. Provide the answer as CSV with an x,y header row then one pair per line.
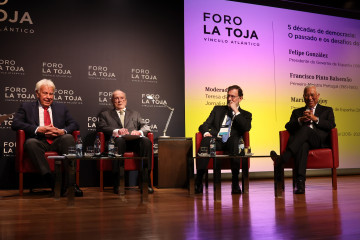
x,y
172,160
217,173
71,174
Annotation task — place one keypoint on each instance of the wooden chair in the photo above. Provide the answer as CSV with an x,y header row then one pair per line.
x,y
23,163
317,158
129,165
224,164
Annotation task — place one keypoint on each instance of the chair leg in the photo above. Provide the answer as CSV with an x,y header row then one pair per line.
x,y
334,178
101,181
207,179
21,184
293,178
151,178
77,174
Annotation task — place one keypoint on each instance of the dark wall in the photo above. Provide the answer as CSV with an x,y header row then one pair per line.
x,y
90,48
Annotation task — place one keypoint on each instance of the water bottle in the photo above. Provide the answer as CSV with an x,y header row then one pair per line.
x,y
111,146
241,147
97,145
212,147
78,147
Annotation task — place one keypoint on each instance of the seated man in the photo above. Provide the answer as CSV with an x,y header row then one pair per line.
x,y
309,128
227,124
48,127
123,121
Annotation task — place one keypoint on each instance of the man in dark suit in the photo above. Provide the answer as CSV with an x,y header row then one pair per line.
x,y
120,122
227,124
48,127
309,128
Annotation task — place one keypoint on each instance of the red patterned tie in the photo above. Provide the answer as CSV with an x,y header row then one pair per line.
x,y
47,121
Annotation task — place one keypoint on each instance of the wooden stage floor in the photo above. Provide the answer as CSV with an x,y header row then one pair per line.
x,y
172,214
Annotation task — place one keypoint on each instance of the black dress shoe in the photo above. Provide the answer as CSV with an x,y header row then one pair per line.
x,y
299,187
77,191
275,157
235,189
116,190
198,188
150,190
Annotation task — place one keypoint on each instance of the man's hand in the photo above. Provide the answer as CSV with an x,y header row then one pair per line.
x,y
308,116
51,131
123,131
136,133
207,134
234,106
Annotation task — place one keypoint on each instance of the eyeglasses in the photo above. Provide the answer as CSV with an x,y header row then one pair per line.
x,y
310,95
232,96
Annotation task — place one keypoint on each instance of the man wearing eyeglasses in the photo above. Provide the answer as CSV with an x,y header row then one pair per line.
x,y
309,128
226,124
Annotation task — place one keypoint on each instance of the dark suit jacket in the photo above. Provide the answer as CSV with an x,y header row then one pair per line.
x,y
241,122
326,122
27,119
109,121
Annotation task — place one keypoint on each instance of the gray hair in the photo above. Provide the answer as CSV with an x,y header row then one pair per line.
x,y
310,86
44,82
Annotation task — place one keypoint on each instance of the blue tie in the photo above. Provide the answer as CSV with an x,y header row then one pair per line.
x,y
228,123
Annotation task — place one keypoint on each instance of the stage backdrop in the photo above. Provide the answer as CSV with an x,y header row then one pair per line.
x,y
272,53
89,49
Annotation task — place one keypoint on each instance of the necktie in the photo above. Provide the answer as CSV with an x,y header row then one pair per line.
x,y
228,123
47,121
122,117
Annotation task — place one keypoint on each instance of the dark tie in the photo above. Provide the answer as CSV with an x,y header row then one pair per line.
x,y
47,121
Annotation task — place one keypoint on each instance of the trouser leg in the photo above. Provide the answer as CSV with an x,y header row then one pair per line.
x,y
301,161
36,151
61,145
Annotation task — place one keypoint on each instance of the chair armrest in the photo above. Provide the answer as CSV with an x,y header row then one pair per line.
x,y
102,141
284,137
75,134
335,146
246,138
198,138
20,140
150,135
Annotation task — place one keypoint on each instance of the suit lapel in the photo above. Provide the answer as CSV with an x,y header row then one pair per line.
x,y
127,117
54,114
222,114
115,116
318,110
35,110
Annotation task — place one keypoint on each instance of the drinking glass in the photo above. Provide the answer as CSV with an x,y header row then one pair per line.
x,y
203,150
89,151
71,151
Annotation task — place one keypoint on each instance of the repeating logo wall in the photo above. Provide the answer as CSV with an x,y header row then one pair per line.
x,y
18,94
101,73
10,67
141,75
88,59
15,21
57,70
